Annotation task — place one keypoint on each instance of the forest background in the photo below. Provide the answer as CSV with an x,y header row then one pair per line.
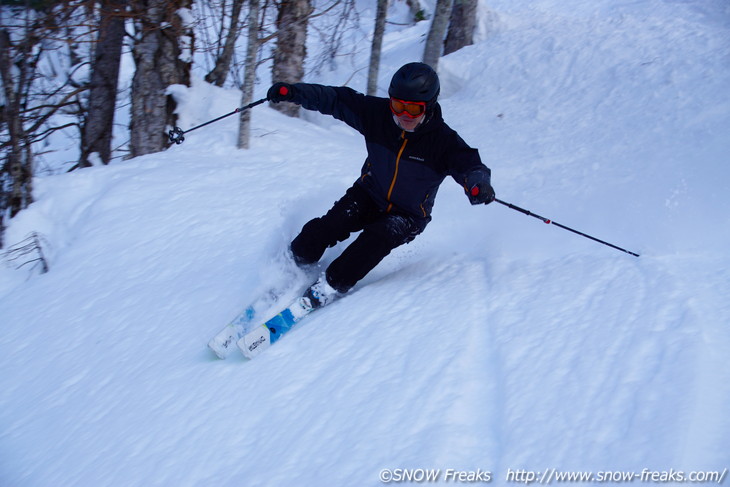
x,y
60,69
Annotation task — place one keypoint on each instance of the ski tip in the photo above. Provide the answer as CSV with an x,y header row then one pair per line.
x,y
221,353
255,342
224,342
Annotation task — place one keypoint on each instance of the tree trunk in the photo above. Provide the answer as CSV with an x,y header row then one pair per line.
x,y
435,39
377,45
96,134
162,58
461,26
291,47
223,64
16,176
244,128
31,97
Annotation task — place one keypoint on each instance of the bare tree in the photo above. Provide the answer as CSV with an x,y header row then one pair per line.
x,y
461,26
380,16
163,55
96,134
35,87
16,189
29,251
291,47
221,25
219,73
244,130
435,39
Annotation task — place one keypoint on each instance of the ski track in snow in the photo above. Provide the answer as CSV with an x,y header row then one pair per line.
x,y
361,386
628,330
492,341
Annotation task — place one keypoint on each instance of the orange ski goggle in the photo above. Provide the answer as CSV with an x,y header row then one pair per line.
x,y
413,109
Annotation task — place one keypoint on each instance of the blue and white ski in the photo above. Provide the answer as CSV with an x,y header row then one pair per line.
x,y
263,336
290,280
224,342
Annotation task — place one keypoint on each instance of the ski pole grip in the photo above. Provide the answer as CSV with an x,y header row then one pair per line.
x,y
283,90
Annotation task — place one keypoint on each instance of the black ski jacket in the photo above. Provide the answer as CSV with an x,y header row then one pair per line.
x,y
403,170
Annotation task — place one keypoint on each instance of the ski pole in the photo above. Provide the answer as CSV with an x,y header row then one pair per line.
x,y
547,220
176,134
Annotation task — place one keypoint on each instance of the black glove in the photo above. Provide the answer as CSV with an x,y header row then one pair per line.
x,y
478,188
280,92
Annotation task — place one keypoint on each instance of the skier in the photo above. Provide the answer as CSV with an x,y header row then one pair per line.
x,y
410,151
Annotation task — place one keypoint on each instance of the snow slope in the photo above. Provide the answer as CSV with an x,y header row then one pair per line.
x,y
491,342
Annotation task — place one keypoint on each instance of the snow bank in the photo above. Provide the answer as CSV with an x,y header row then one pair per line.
x,y
491,342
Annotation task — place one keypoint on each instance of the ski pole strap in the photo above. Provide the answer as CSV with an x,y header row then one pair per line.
x,y
547,220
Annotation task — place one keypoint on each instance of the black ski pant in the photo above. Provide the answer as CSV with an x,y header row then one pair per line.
x,y
356,211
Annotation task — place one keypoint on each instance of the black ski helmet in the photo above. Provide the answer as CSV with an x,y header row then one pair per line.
x,y
415,82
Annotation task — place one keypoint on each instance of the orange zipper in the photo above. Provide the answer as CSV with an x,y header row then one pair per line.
x,y
422,208
395,174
